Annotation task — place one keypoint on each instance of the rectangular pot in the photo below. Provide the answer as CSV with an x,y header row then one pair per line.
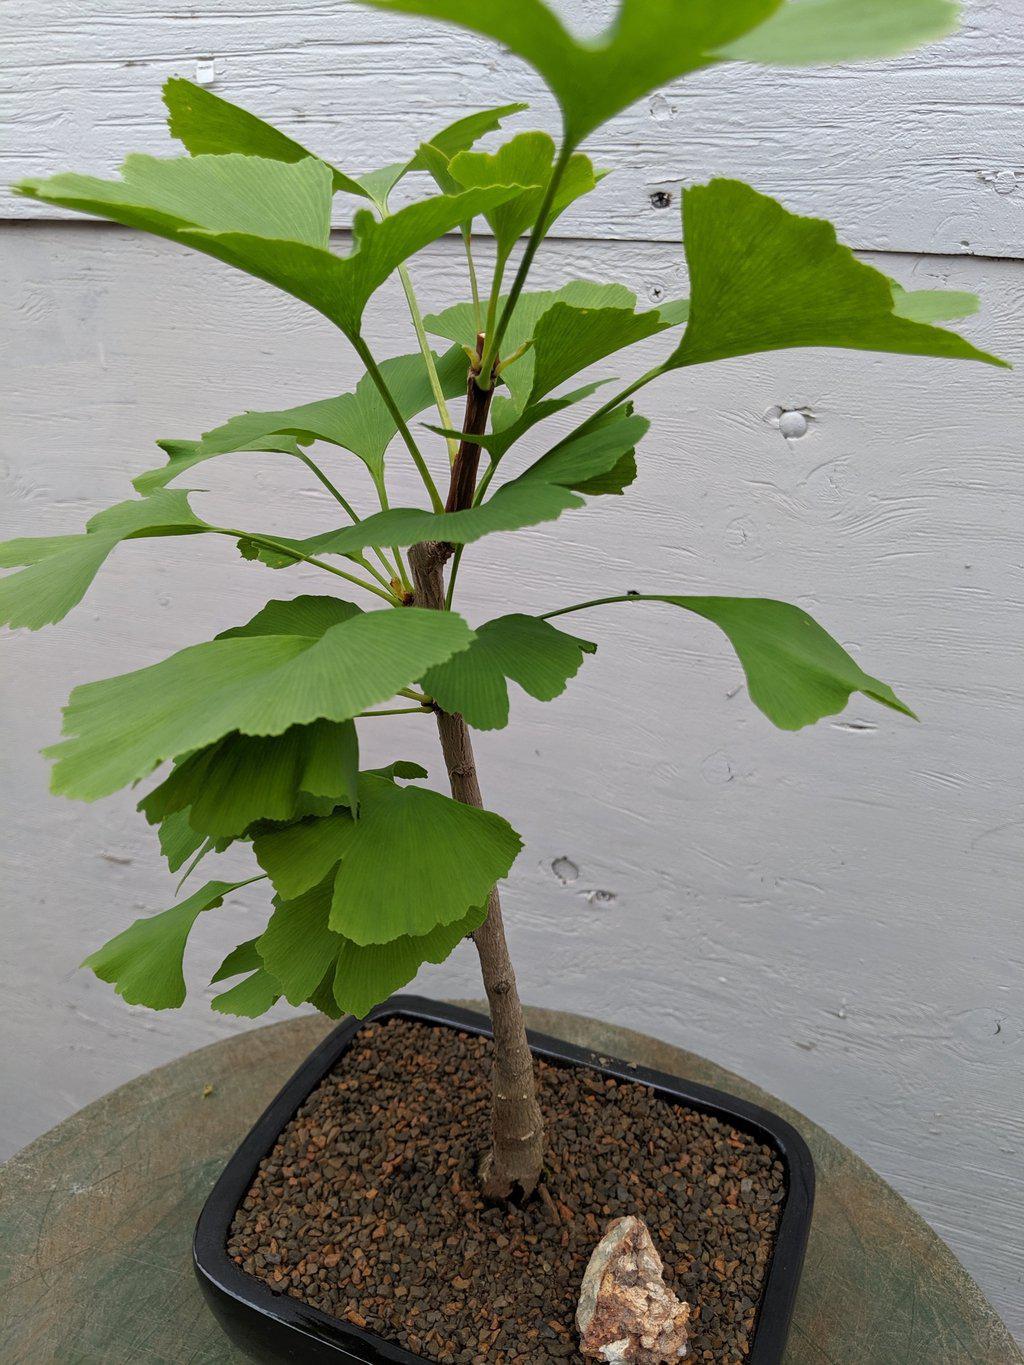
x,y
274,1328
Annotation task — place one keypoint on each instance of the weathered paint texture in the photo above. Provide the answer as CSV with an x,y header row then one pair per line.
x,y
834,913
922,154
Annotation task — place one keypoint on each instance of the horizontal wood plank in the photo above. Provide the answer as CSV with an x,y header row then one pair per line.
x,y
923,154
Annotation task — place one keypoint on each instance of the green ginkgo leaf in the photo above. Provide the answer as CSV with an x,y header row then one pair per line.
x,y
60,569
649,43
413,860
268,218
568,339
458,324
541,493
121,728
185,455
796,672
368,973
531,652
243,958
652,42
509,424
815,32
144,962
527,160
359,422
298,946
178,840
207,124
229,785
250,998
298,949
765,279
197,195
464,133
932,305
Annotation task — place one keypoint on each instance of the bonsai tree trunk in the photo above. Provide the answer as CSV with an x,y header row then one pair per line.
x,y
513,1165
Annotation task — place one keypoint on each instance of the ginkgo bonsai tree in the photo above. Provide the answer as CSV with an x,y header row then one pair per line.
x,y
372,875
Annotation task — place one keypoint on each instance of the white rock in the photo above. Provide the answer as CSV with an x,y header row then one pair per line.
x,y
626,1314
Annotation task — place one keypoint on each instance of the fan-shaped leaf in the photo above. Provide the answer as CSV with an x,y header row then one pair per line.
x,y
61,568
527,650
178,840
368,973
172,196
244,958
205,123
567,340
541,493
464,133
261,684
229,785
509,424
764,279
268,218
299,949
796,672
649,43
413,860
144,962
812,32
527,160
358,421
458,324
249,998
185,455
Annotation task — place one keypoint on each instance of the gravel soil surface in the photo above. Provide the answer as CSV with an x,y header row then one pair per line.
x,y
367,1207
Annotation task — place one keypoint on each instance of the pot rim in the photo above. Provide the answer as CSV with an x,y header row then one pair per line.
x,y
236,1296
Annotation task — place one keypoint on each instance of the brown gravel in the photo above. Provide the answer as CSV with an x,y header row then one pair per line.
x,y
367,1206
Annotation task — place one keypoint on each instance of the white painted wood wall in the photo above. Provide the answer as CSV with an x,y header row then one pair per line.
x,y
836,914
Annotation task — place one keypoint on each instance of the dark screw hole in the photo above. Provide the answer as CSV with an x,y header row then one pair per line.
x,y
661,199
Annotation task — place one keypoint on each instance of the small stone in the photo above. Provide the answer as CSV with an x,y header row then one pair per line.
x,y
626,1314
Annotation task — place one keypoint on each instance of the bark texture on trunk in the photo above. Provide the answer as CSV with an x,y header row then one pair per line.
x,y
513,1165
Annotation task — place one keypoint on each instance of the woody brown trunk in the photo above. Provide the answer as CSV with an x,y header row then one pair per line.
x,y
513,1165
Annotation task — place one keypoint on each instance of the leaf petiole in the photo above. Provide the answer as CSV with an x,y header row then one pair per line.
x,y
338,497
373,369
537,234
396,711
269,544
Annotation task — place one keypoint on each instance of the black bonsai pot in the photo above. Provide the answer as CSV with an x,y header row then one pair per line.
x,y
272,1326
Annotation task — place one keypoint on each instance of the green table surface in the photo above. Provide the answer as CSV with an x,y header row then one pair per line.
x,y
96,1221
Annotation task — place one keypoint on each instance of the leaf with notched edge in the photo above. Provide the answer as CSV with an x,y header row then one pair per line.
x,y
268,218
229,785
649,43
531,652
359,422
765,279
583,462
60,569
120,729
796,672
412,861
144,962
299,950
